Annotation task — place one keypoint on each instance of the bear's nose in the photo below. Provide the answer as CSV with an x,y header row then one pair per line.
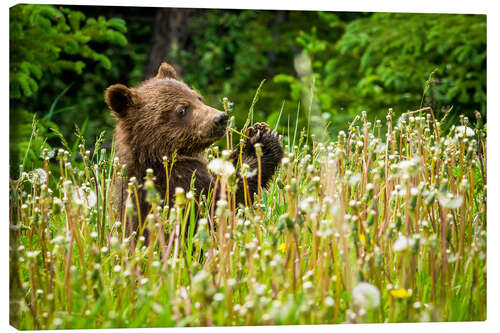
x,y
221,119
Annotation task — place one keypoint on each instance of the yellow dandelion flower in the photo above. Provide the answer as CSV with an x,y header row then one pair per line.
x,y
362,238
282,247
401,293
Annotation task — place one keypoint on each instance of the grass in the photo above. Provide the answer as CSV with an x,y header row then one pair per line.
x,y
366,228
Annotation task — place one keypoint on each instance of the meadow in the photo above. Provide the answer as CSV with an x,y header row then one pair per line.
x,y
387,223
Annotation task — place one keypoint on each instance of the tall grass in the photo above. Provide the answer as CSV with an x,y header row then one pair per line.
x,y
367,228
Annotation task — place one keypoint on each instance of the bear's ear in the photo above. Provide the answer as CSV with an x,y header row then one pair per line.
x,y
119,99
166,72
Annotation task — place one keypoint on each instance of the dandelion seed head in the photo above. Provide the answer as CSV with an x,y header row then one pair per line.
x,y
218,297
464,131
85,196
113,240
32,254
449,201
221,167
308,286
403,243
37,176
366,295
354,179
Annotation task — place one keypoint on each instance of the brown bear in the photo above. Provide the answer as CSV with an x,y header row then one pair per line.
x,y
162,115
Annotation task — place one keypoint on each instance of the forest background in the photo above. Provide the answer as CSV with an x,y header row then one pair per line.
x,y
321,68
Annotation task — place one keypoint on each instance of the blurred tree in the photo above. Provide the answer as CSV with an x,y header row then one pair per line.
x,y
169,31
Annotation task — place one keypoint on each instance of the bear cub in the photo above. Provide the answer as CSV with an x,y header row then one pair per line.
x,y
162,115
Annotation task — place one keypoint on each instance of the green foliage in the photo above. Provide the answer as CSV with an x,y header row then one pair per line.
x,y
322,68
28,137
235,50
384,60
44,38
60,55
338,65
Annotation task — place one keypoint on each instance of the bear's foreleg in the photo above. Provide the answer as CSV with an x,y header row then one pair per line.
x,y
270,158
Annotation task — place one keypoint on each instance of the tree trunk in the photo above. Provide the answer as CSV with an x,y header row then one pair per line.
x,y
170,27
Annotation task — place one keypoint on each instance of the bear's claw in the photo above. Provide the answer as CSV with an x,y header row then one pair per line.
x,y
260,133
257,132
256,128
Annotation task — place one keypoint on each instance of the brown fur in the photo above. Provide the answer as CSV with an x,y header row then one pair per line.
x,y
148,127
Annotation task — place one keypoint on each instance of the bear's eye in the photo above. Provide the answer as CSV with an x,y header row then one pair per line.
x,y
181,112
200,98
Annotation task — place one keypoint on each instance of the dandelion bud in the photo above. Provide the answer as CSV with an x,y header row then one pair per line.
x,y
294,185
152,195
369,191
129,207
258,149
180,198
221,207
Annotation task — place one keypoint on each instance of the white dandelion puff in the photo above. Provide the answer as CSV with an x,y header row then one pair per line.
x,y
329,301
308,286
409,167
221,167
464,130
402,243
354,179
366,295
86,196
450,202
37,176
32,254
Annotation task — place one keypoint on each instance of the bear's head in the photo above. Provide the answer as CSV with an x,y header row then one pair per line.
x,y
163,114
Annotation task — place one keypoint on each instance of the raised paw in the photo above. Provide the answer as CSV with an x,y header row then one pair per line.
x,y
255,132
